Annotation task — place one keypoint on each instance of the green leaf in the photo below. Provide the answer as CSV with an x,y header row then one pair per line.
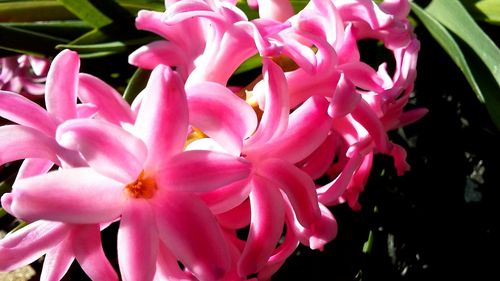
x,y
485,10
471,57
251,63
2,213
136,5
22,41
136,84
63,29
87,12
30,11
108,47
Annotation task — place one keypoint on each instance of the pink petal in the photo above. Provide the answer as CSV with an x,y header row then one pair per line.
x,y
363,76
227,197
62,85
322,158
21,110
330,192
162,121
57,261
29,243
308,128
279,10
344,99
137,241
78,195
108,148
168,268
220,114
33,167
237,217
274,121
201,170
181,218
19,142
89,253
321,232
111,106
369,120
156,53
297,185
267,220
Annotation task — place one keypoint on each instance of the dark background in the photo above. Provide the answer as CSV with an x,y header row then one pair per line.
x,y
438,221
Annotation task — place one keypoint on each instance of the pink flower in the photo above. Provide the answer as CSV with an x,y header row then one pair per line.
x,y
143,178
23,74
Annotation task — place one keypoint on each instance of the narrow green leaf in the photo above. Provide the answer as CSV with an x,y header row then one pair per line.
x,y
134,6
63,29
87,12
487,90
485,10
94,36
2,213
22,41
136,84
30,11
455,17
113,47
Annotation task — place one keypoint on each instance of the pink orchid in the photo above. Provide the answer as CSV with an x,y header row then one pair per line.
x,y
23,74
142,177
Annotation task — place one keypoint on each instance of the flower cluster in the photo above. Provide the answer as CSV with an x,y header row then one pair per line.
x,y
195,162
23,74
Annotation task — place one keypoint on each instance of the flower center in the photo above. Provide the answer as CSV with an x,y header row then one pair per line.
x,y
142,187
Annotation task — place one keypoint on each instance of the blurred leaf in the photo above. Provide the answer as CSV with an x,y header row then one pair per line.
x,y
64,29
251,63
368,245
455,17
30,11
20,40
485,10
136,84
2,213
298,5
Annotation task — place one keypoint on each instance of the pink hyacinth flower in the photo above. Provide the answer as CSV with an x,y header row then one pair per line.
x,y
142,177
23,74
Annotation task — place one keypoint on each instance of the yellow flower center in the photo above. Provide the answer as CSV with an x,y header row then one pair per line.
x,y
142,187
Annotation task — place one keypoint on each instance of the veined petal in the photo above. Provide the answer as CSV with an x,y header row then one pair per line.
x,y
26,245
78,195
137,241
274,87
62,85
108,148
220,114
23,111
201,170
181,218
20,142
322,158
344,99
162,121
110,105
307,129
267,221
297,185
89,253
57,261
